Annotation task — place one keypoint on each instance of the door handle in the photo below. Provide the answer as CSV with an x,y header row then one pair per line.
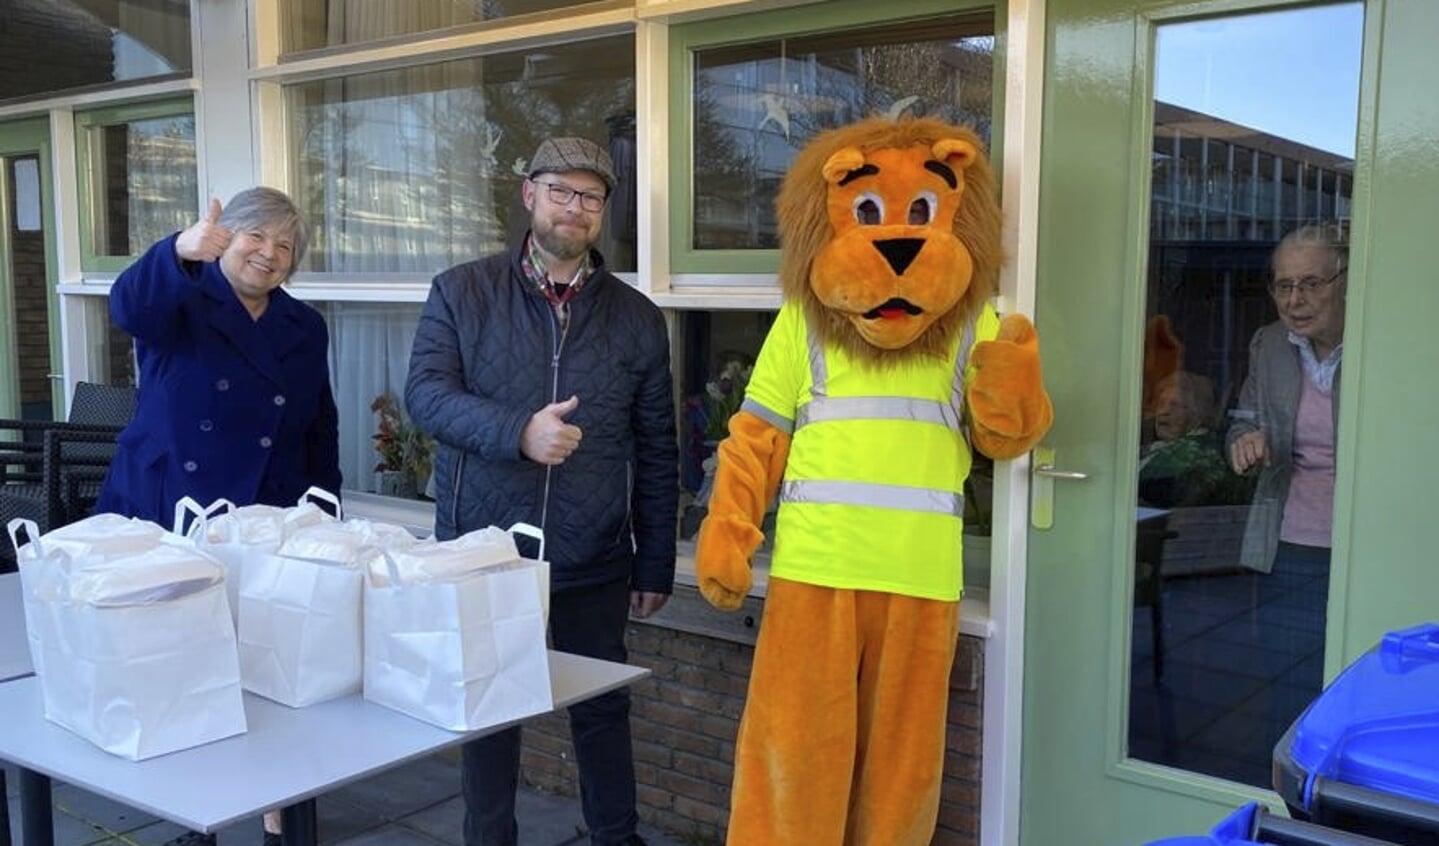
x,y
1041,486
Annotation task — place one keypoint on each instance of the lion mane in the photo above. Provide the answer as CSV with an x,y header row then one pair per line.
x,y
805,229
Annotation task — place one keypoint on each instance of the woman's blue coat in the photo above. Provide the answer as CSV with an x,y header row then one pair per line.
x,y
228,406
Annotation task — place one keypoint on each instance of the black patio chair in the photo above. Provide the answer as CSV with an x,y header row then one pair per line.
x,y
51,472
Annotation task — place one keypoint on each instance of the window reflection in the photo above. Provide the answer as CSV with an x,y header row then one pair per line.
x,y
312,24
56,45
144,182
419,169
756,104
1252,189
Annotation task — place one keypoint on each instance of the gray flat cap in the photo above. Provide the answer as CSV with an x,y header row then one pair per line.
x,y
557,155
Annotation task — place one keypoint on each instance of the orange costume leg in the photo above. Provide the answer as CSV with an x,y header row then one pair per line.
x,y
842,740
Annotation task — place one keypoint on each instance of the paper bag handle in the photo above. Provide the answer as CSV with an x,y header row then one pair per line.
x,y
532,531
188,506
391,568
317,492
31,529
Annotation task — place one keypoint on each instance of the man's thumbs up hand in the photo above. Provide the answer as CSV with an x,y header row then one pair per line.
x,y
547,438
206,239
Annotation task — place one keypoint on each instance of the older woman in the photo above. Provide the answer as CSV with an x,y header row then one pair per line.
x,y
235,395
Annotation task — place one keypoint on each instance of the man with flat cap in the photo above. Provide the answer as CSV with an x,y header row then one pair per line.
x,y
545,381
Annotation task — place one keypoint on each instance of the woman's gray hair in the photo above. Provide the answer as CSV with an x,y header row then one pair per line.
x,y
268,208
1333,234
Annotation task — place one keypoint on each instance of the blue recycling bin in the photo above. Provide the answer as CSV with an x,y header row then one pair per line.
x,y
1364,756
1254,825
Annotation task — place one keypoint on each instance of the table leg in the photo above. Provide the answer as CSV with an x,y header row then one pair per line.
x,y
298,824
4,809
37,825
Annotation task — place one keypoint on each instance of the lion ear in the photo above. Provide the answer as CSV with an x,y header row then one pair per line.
x,y
839,165
955,152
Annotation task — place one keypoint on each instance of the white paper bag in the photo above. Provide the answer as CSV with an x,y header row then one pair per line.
x,y
236,535
300,636
134,673
464,652
91,540
300,630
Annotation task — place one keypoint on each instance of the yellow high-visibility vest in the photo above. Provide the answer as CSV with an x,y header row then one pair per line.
x,y
873,492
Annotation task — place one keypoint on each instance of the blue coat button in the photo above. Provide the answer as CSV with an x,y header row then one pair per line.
x,y
222,385
206,425
279,399
265,442
191,467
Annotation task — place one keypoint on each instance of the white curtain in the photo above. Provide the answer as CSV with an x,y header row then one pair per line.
x,y
403,185
369,357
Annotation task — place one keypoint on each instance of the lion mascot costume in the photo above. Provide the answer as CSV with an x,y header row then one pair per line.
x,y
885,364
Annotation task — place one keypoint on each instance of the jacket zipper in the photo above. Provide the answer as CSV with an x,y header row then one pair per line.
x,y
557,337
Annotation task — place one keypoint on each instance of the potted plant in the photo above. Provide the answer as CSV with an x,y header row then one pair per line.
x,y
405,452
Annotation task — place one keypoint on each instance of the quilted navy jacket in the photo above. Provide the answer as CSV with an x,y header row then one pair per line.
x,y
488,354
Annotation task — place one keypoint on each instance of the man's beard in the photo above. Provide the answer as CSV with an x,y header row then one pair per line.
x,y
562,246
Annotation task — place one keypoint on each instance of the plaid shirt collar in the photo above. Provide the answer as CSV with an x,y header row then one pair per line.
x,y
534,266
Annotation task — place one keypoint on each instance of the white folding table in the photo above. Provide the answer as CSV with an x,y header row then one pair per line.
x,y
14,648
286,758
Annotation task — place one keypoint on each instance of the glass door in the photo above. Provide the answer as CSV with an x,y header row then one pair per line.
x,y
29,336
1196,207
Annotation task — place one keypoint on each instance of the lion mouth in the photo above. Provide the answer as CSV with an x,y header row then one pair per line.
x,y
893,309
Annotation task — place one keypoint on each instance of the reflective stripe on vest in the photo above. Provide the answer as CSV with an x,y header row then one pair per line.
x,y
873,495
823,408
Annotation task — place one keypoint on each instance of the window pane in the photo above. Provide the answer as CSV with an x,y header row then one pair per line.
x,y
1251,187
55,45
110,356
369,360
145,182
419,169
757,104
717,351
312,24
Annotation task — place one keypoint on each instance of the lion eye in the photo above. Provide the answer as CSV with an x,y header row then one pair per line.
x,y
868,210
921,209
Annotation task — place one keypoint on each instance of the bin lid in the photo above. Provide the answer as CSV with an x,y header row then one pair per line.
x,y
1233,830
1377,724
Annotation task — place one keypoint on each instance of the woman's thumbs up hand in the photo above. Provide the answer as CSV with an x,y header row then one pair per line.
x,y
206,239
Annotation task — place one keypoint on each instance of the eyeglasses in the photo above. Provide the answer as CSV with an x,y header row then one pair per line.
x,y
561,195
1285,288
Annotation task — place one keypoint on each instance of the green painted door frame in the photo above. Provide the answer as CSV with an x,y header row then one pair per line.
x,y
23,138
1077,786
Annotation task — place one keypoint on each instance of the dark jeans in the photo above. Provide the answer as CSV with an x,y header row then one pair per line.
x,y
587,621
1293,599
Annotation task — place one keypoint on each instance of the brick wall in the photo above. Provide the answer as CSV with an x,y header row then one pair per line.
x,y
32,327
686,714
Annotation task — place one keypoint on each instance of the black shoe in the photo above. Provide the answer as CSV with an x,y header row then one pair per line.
x,y
272,839
192,838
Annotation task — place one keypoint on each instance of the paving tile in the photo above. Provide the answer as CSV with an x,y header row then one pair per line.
x,y
391,835
98,810
406,789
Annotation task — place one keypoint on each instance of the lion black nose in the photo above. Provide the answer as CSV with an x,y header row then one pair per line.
x,y
899,252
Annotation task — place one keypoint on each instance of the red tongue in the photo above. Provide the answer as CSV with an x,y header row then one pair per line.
x,y
891,313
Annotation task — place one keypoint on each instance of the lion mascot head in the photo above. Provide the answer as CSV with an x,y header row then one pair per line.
x,y
891,235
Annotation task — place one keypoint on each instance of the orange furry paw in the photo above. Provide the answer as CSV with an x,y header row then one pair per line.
x,y
722,558
1008,407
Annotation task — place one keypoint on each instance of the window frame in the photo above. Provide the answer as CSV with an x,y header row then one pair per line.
x,y
85,171
710,267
